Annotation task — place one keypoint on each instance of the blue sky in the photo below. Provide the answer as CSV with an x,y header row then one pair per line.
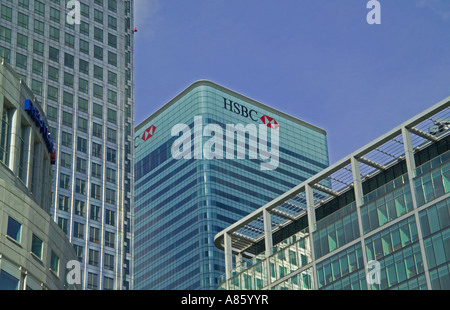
x,y
318,60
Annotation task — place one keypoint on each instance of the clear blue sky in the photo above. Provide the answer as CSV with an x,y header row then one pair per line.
x,y
317,60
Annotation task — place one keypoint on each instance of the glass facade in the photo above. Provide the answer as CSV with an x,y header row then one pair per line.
x,y
82,74
181,204
407,232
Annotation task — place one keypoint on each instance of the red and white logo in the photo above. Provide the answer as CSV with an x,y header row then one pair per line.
x,y
269,122
148,133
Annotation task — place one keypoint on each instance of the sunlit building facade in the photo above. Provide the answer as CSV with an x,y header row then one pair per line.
x,y
182,202
383,222
83,76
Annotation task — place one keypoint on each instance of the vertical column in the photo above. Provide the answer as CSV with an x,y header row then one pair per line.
x,y
15,142
357,187
228,257
311,213
268,242
411,167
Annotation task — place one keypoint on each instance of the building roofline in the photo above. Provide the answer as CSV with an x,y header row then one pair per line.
x,y
233,93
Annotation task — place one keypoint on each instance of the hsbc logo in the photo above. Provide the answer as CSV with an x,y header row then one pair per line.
x,y
148,133
269,122
248,113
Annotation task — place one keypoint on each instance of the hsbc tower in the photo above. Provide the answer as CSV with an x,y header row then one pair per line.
x,y
181,202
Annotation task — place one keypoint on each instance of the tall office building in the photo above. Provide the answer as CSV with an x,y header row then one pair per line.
x,y
383,223
82,73
197,171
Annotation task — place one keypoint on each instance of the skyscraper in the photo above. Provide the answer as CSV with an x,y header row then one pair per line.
x,y
82,73
183,197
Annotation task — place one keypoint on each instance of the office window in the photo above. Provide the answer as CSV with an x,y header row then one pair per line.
x,y
53,74
67,118
78,230
22,40
36,246
36,87
93,257
96,191
39,8
84,66
109,239
80,186
22,20
53,54
112,78
79,252
98,91
63,224
98,34
96,171
69,40
64,181
94,235
68,97
82,124
21,61
98,16
96,150
84,46
97,130
112,96
112,58
83,104
38,67
110,196
64,203
66,139
112,40
52,93
84,28
112,22
96,213
98,52
109,262
111,135
110,217
97,110
14,229
80,206
54,262
24,3
112,116
5,53
111,175
55,15
54,33
66,160
6,13
83,86
98,72
81,165
69,60
81,144
112,5
111,155
38,48
92,281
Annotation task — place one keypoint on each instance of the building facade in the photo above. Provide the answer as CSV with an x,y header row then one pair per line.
x,y
193,178
34,251
383,223
83,76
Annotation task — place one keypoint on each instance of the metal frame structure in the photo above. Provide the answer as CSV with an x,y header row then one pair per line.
x,y
399,144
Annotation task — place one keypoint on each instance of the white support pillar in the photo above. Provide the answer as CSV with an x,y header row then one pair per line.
x,y
311,212
357,187
268,242
411,167
228,256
